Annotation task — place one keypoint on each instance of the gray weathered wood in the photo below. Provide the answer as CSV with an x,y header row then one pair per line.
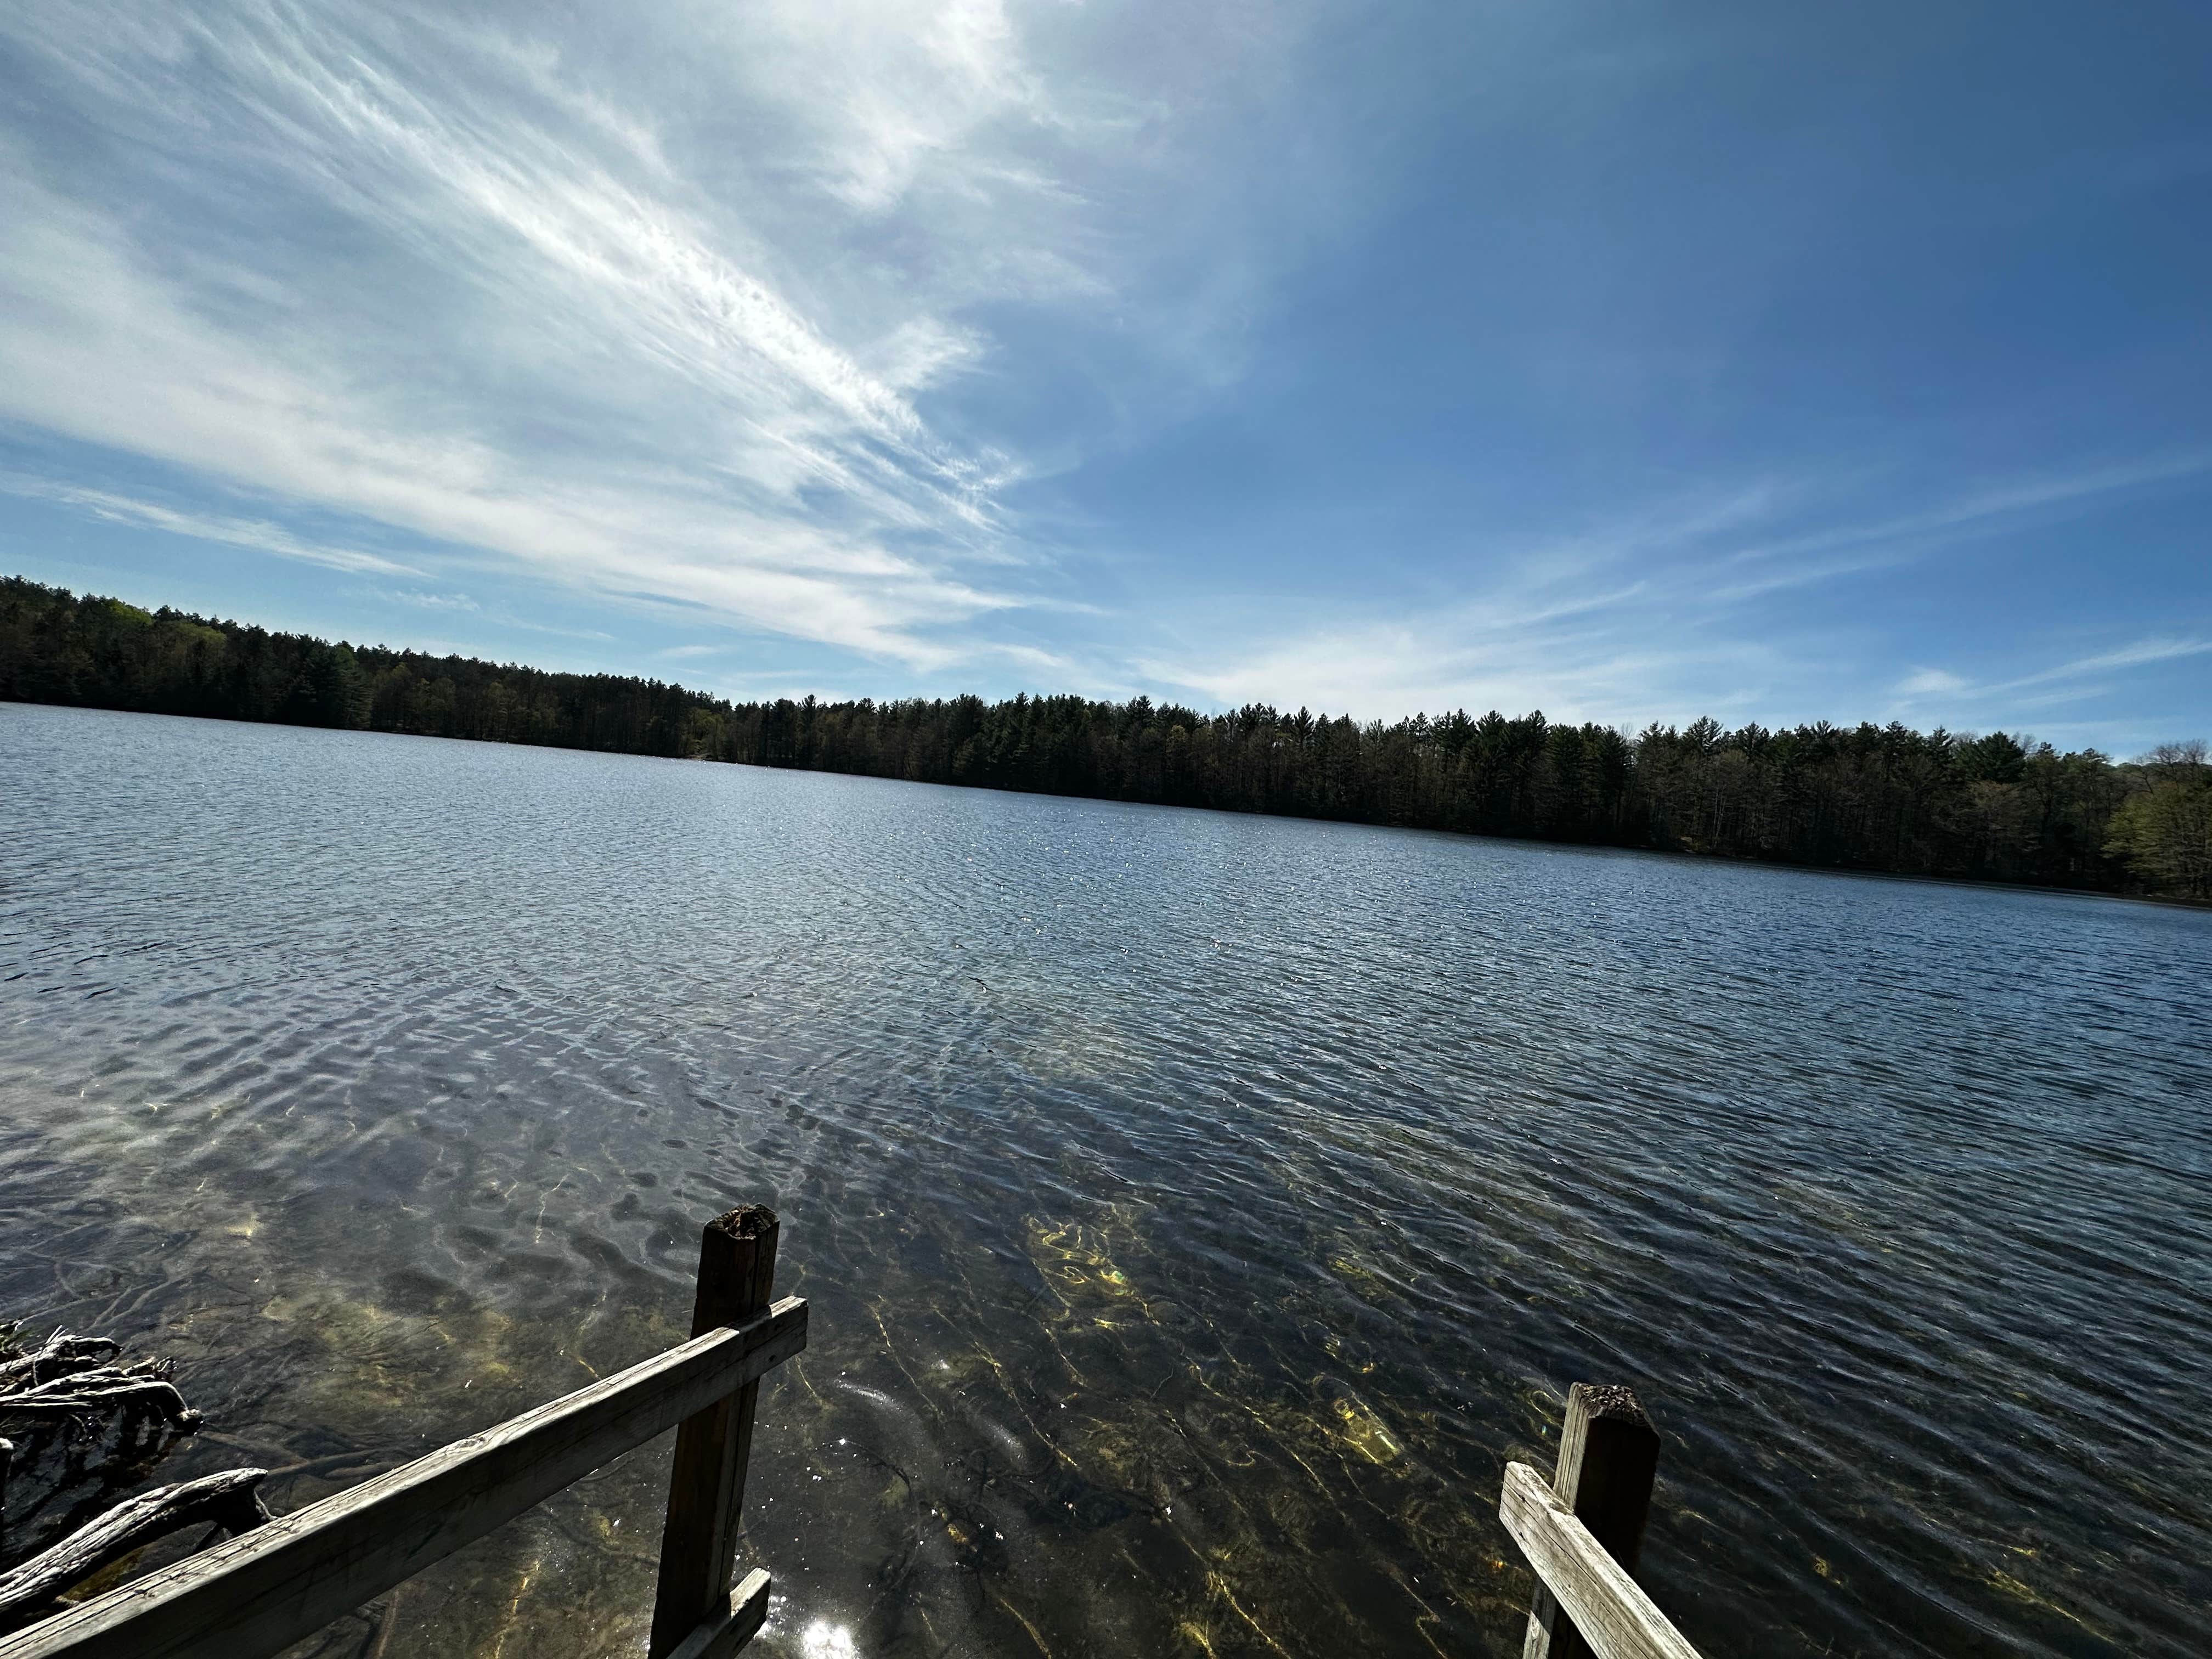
x,y
1609,1608
89,1394
229,1500
1608,1459
253,1597
732,1624
58,1355
707,1483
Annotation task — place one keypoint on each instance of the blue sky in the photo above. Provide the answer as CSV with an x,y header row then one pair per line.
x,y
1625,361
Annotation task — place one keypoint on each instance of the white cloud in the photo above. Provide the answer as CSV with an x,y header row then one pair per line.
x,y
2065,678
256,534
1655,614
647,318
1929,682
708,313
2138,654
433,601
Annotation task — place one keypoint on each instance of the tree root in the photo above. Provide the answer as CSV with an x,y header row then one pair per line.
x,y
230,1500
73,1384
58,1356
90,1394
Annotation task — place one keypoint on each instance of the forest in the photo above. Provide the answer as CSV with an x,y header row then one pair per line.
x,y
1991,808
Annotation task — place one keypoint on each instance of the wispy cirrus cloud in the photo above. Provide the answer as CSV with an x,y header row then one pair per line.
x,y
421,269
1932,682
425,601
2064,685
259,534
1289,352
2139,654
1659,613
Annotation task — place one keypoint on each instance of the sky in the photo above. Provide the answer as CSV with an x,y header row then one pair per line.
x,y
1629,362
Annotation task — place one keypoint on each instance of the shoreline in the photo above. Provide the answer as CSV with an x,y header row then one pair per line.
x,y
1995,883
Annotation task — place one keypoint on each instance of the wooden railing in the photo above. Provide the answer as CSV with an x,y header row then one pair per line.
x,y
257,1593
1582,1529
260,1592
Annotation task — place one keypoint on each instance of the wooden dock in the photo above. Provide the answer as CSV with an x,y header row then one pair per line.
x,y
257,1593
1582,1530
264,1588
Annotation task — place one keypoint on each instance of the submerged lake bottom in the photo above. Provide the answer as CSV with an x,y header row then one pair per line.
x,y
1197,1211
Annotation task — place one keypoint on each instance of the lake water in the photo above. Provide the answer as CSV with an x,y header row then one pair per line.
x,y
1197,1210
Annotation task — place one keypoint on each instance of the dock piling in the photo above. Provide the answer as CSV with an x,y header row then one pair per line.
x,y
707,1486
264,1590
1608,1460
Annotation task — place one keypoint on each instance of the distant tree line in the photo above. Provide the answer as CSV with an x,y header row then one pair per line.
x,y
1877,798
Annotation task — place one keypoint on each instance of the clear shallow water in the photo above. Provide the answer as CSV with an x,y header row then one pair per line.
x,y
1197,1210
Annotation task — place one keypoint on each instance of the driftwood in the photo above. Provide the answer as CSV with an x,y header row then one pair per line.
x,y
230,1501
90,1394
73,1383
58,1356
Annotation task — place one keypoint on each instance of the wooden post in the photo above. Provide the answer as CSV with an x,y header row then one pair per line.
x,y
707,1488
1609,1458
259,1594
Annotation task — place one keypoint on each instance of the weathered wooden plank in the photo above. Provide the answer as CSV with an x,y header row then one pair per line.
x,y
1609,1607
732,1625
255,1595
707,1482
1608,1460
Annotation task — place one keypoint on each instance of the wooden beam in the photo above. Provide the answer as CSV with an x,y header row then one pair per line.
x,y
732,1625
707,1483
255,1595
1609,1609
1608,1460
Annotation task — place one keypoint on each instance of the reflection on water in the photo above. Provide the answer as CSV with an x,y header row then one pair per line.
x,y
1197,1210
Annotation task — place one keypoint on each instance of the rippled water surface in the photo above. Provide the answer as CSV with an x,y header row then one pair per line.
x,y
1197,1210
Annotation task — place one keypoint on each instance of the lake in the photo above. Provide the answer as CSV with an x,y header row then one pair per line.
x,y
1197,1210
